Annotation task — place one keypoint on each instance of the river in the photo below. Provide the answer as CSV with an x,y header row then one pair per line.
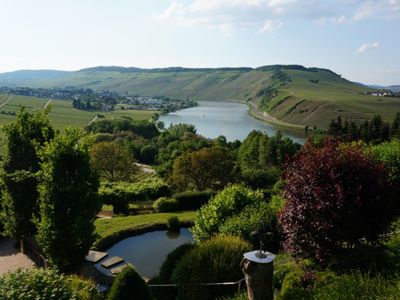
x,y
231,119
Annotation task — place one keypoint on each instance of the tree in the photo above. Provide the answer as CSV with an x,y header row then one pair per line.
x,y
68,200
112,161
20,197
335,196
203,169
396,126
130,286
260,157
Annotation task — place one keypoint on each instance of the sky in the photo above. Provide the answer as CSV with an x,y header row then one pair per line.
x,y
358,39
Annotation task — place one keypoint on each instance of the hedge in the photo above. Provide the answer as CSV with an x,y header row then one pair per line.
x,y
192,200
119,195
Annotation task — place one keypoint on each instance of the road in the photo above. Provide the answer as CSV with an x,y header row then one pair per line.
x,y
7,100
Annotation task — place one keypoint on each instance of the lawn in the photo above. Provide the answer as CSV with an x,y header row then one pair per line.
x,y
108,227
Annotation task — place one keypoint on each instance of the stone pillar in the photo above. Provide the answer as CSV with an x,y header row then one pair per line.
x,y
258,274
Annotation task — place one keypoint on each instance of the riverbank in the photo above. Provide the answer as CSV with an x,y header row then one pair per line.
x,y
264,116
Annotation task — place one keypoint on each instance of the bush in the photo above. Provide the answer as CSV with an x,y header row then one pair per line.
x,y
45,284
192,200
225,204
169,264
166,205
215,260
335,196
249,219
389,154
166,271
129,285
173,223
119,195
357,286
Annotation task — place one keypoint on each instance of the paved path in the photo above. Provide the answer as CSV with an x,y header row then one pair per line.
x,y
93,120
11,259
6,101
47,103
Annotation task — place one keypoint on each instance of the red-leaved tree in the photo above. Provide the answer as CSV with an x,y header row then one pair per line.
x,y
335,196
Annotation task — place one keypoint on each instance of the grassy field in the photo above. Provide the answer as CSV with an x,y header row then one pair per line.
x,y
107,227
62,114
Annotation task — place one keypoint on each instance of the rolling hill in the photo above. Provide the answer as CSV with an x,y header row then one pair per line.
x,y
287,94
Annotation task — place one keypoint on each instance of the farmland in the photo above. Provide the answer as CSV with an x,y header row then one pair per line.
x,y
62,114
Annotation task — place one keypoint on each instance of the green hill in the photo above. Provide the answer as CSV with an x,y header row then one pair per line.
x,y
290,94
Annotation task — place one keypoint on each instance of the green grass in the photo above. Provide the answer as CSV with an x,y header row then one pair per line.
x,y
107,227
62,114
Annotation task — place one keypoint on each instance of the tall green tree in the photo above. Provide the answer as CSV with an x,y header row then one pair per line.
x,y
68,200
20,197
208,168
113,161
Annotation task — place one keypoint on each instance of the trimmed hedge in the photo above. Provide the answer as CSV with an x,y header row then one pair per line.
x,y
166,205
183,201
119,195
192,200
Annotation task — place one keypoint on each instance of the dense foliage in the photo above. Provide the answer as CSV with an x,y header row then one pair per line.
x,y
68,201
261,156
20,197
261,215
112,161
208,168
215,260
45,285
130,286
388,153
145,129
335,196
374,131
229,202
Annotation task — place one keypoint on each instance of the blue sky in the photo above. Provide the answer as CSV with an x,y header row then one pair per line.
x,y
358,39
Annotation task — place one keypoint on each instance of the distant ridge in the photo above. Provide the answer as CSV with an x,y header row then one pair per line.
x,y
294,94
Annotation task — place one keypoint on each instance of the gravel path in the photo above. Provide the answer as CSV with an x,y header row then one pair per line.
x,y
11,259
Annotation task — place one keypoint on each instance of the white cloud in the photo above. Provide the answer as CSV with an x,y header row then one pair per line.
x,y
365,47
272,25
230,15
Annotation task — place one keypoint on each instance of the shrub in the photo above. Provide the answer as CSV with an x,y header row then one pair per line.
x,y
335,196
45,284
166,205
215,260
389,154
357,286
249,219
129,285
192,200
169,264
119,195
173,223
225,204
166,271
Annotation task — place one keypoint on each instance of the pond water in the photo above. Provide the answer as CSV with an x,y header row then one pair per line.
x,y
148,251
215,118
